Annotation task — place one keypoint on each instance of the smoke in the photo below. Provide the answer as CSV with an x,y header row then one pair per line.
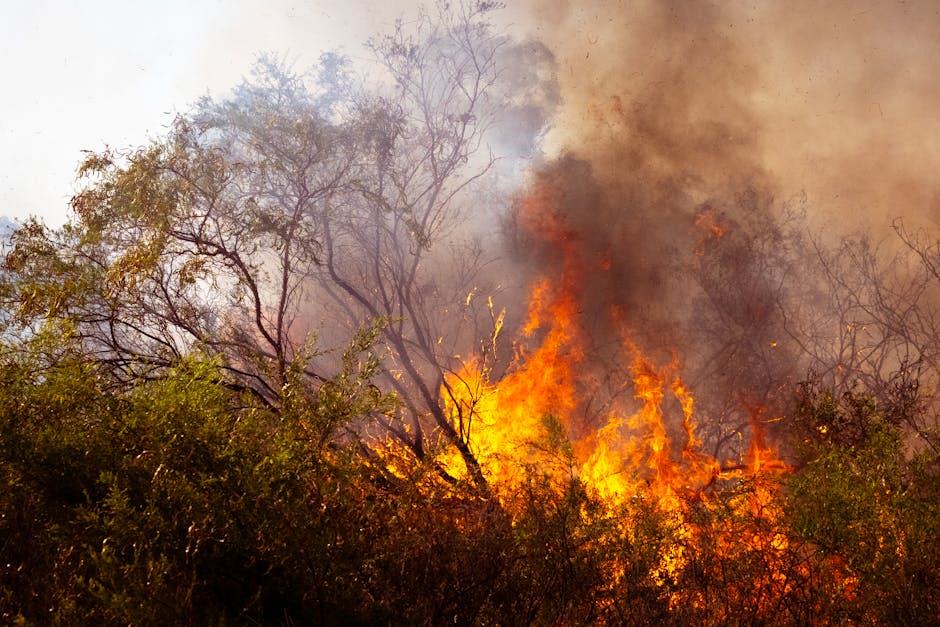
x,y
849,97
656,126
833,98
685,133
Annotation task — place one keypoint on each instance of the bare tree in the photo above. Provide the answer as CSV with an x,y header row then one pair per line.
x,y
388,245
739,359
854,316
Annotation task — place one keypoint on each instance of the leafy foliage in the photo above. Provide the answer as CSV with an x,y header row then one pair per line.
x,y
869,508
291,208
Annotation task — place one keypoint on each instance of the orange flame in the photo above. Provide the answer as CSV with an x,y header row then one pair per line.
x,y
631,452
632,449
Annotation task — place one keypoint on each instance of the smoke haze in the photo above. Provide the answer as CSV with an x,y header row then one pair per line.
x,y
837,99
683,123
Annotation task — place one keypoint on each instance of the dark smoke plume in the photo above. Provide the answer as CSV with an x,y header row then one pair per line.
x,y
687,132
834,98
655,130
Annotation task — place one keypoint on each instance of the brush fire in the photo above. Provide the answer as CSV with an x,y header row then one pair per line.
x,y
591,324
640,449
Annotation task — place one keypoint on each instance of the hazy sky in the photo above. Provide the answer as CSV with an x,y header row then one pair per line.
x,y
79,74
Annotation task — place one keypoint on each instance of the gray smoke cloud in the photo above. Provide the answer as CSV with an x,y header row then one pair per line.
x,y
834,98
684,135
655,125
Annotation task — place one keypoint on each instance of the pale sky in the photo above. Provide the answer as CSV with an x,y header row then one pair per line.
x,y
82,74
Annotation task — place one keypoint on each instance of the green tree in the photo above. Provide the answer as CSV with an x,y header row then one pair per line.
x,y
178,500
869,507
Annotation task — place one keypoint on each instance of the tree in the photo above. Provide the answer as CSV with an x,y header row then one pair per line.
x,y
746,272
285,212
778,304
868,507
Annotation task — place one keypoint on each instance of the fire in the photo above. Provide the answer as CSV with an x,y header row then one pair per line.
x,y
645,446
508,416
638,448
631,450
